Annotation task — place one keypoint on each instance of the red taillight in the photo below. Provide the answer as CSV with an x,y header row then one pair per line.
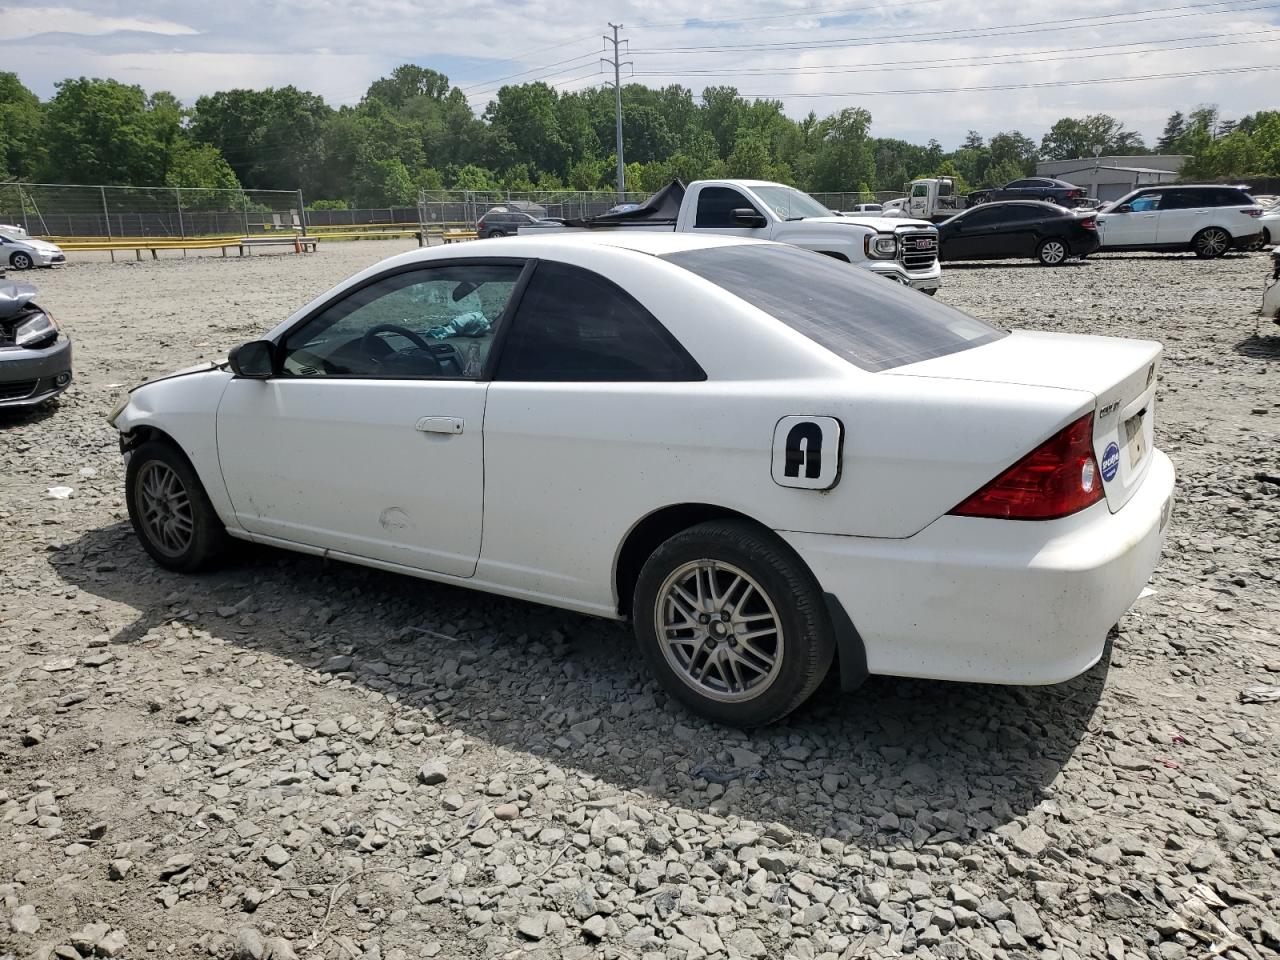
x,y
1253,211
1089,223
1056,479
1075,193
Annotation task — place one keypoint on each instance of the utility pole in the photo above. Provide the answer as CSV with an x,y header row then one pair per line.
x,y
617,65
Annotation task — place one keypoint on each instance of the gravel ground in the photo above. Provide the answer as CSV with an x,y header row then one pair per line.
x,y
289,757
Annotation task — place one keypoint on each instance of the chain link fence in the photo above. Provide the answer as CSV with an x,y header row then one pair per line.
x,y
114,213
465,207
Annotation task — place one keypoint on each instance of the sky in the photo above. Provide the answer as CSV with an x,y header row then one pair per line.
x,y
811,54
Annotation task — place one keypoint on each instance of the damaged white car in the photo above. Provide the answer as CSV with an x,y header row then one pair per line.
x,y
766,460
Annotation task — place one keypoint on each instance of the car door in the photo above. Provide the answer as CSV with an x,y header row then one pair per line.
x,y
714,213
970,236
1182,214
367,441
585,376
1134,223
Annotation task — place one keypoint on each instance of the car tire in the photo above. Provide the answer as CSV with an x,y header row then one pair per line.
x,y
21,261
1211,243
707,663
1052,252
183,532
497,233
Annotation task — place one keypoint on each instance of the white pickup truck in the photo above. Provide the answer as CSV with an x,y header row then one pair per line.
x,y
902,250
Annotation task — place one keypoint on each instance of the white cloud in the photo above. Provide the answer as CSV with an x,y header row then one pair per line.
x,y
336,49
18,23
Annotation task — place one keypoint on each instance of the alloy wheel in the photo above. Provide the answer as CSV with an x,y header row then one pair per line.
x,y
719,631
1053,252
165,508
1213,243
21,261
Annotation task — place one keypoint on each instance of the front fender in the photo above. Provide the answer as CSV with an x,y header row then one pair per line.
x,y
184,408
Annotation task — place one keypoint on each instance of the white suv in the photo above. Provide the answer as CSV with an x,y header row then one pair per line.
x,y
1207,219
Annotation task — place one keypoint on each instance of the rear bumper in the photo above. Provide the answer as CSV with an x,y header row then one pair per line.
x,y
29,377
996,601
1083,246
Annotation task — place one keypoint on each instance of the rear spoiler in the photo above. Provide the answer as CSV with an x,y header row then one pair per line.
x,y
660,209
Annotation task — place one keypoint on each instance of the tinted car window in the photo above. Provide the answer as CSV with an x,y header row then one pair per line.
x,y
436,322
574,325
1023,214
1146,202
981,218
716,206
871,322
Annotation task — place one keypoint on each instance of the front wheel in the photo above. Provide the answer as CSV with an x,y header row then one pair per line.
x,y
21,261
1211,242
733,623
170,512
1051,253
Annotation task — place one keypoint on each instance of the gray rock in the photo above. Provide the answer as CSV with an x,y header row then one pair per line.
x,y
595,927
276,856
24,919
113,944
433,772
248,945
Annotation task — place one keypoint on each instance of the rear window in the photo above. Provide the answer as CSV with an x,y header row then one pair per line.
x,y
868,320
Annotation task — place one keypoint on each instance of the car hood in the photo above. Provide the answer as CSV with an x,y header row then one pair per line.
x,y
886,224
43,246
203,367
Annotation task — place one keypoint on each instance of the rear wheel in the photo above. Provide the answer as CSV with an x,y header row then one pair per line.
x,y
497,233
733,623
1211,242
170,512
21,261
1051,252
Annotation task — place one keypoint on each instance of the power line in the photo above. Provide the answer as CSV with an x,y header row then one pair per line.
x,y
617,65
952,63
546,66
697,23
969,33
1261,68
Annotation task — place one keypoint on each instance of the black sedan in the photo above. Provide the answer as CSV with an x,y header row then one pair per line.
x,y
1032,188
1019,228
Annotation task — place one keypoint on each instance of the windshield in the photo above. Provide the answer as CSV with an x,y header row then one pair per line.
x,y
790,204
867,320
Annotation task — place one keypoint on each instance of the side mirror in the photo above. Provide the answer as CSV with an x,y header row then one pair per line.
x,y
255,359
748,217
1123,208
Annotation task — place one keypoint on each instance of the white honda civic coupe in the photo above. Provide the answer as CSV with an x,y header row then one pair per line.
x,y
764,459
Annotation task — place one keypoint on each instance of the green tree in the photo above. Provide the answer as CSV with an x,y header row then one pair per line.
x,y
1072,138
199,165
103,131
843,154
472,177
22,133
1174,130
274,139
407,82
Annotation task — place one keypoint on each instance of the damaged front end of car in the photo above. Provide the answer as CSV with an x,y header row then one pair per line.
x,y
35,354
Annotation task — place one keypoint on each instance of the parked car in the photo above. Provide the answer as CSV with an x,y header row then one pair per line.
x,y
1271,295
1031,188
1019,228
1269,221
35,353
1208,219
501,222
905,251
863,208
758,455
23,252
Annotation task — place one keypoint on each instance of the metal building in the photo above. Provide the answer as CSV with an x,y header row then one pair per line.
x,y
1109,178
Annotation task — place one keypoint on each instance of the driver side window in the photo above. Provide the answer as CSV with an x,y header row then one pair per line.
x,y
435,323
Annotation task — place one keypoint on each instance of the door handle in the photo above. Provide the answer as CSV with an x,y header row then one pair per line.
x,y
440,425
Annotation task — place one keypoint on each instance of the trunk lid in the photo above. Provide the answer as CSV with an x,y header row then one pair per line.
x,y
1121,375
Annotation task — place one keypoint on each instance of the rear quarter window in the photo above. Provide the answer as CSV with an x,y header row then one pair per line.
x,y
868,320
